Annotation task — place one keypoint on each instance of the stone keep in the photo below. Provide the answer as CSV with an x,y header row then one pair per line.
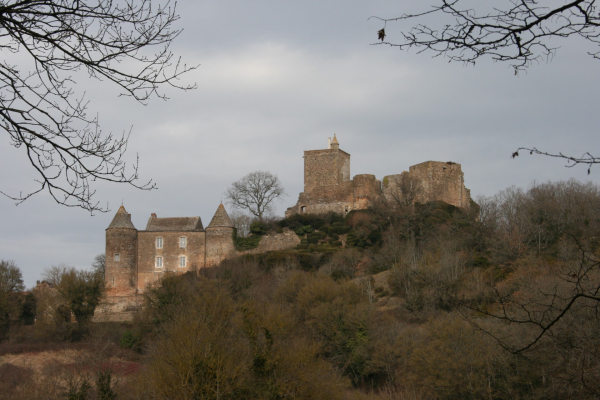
x,y
328,187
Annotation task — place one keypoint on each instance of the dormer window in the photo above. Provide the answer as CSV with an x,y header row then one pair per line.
x,y
159,242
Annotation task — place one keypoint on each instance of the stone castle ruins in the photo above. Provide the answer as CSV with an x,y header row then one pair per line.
x,y
328,187
136,258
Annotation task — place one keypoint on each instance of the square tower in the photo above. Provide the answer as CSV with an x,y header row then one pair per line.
x,y
328,167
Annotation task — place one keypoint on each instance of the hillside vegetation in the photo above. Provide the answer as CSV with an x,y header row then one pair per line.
x,y
423,302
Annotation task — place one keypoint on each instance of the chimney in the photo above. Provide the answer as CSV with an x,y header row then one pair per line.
x,y
153,215
329,143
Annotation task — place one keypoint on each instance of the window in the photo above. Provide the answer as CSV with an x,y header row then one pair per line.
x,y
182,242
159,262
159,242
117,257
182,261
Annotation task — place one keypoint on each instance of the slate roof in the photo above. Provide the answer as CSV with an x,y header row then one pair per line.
x,y
122,220
221,219
174,224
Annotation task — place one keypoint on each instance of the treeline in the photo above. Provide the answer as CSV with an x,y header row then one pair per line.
x,y
498,302
421,302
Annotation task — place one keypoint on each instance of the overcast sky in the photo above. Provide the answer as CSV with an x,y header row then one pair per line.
x,y
277,78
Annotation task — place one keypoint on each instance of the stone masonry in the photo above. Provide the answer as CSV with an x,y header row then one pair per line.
x,y
136,259
328,187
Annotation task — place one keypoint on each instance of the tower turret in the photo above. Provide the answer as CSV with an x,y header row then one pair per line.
x,y
334,143
121,255
219,237
327,167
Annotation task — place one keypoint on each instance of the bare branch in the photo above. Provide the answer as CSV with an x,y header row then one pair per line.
x,y
255,192
126,44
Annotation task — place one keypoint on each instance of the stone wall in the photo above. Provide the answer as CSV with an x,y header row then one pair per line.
x,y
121,258
118,309
220,245
442,181
327,167
276,242
366,186
170,252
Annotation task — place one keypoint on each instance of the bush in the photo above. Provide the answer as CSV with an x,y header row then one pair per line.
x,y
351,239
302,246
342,230
246,243
303,230
131,340
337,243
318,235
258,228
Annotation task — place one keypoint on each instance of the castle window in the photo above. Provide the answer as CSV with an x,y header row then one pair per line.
x,y
117,257
303,209
159,262
182,261
159,242
182,242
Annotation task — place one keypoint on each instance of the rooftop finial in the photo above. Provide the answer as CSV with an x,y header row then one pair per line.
x,y
334,143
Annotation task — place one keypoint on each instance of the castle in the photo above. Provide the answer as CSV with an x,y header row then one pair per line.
x,y
136,259
328,187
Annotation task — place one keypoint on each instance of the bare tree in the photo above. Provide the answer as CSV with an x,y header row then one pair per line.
x,y
241,222
80,290
406,190
521,32
124,43
255,192
11,284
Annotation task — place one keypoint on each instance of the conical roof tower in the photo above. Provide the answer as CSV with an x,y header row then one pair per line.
x,y
122,220
220,219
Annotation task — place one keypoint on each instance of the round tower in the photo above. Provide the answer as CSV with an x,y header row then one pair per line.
x,y
121,255
219,238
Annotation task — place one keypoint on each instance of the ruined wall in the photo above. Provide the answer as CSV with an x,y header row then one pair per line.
x,y
220,245
118,309
327,167
121,261
276,242
170,252
441,181
366,186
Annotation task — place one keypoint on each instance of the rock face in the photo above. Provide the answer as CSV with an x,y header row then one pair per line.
x,y
328,187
